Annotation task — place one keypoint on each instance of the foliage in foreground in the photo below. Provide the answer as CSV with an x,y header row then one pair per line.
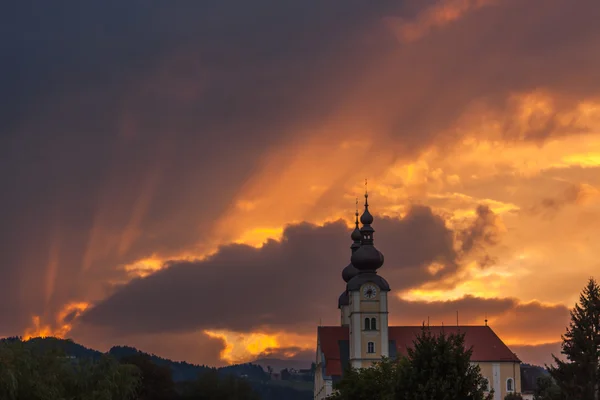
x,y
437,367
578,378
513,396
30,373
48,375
547,389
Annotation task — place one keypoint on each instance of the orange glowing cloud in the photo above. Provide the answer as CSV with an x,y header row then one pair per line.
x,y
244,347
62,324
437,16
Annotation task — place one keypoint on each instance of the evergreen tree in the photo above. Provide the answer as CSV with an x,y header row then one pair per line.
x,y
578,377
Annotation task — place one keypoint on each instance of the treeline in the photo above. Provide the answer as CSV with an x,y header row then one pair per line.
x,y
53,369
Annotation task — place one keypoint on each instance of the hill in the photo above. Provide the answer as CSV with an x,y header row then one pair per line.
x,y
182,371
529,375
279,364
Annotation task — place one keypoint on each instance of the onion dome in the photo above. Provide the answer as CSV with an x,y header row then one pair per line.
x,y
349,272
366,218
367,258
356,237
344,299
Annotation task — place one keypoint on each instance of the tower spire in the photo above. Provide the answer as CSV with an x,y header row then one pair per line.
x,y
367,258
366,219
367,201
356,213
356,235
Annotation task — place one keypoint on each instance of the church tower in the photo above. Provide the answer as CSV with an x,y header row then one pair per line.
x,y
348,273
367,300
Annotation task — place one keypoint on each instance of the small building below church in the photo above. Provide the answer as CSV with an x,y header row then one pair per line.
x,y
364,336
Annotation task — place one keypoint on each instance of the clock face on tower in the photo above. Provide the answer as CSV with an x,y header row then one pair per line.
x,y
370,291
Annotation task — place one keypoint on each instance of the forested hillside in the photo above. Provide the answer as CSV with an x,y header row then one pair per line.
x,y
34,368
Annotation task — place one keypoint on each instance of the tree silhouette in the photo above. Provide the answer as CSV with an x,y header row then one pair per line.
x,y
156,380
33,373
578,377
547,389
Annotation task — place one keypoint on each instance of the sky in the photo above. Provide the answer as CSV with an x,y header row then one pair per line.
x,y
182,178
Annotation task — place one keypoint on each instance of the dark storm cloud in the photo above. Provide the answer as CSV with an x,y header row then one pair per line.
x,y
472,311
475,59
538,354
482,231
512,320
283,284
127,127
508,316
536,321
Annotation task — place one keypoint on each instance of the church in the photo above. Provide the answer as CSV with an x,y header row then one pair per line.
x,y
363,336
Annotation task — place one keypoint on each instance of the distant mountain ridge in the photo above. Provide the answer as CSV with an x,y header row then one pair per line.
x,y
182,371
278,364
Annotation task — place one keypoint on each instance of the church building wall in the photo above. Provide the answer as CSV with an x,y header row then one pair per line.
x,y
510,370
355,329
385,342
319,387
498,373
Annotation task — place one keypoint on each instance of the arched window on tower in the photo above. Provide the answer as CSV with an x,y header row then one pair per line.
x,y
373,324
367,324
370,347
509,385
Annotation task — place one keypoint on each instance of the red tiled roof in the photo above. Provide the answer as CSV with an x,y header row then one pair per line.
x,y
487,346
329,337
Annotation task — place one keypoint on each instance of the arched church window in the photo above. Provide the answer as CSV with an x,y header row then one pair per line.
x,y
370,347
367,324
373,324
509,385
